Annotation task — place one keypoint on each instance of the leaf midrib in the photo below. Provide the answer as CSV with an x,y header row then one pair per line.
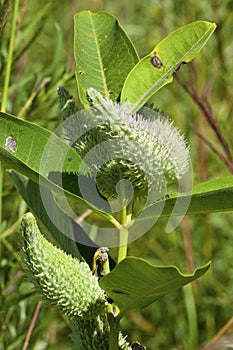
x,y
99,56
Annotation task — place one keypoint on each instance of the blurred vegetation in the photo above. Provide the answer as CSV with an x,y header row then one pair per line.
x,y
42,61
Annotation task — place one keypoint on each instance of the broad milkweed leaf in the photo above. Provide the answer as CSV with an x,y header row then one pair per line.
x,y
135,283
207,197
75,234
104,54
30,140
30,193
22,145
156,69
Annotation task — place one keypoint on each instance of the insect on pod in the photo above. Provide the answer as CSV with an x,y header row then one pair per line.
x,y
155,61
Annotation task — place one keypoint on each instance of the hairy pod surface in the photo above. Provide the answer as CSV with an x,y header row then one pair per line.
x,y
94,334
62,280
144,148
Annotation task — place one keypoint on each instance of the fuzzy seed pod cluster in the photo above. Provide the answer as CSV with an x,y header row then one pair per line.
x,y
144,148
69,285
62,280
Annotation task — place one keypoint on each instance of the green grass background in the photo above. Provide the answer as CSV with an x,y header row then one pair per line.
x,y
44,49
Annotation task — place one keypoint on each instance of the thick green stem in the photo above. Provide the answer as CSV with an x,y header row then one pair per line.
x,y
124,234
114,332
122,252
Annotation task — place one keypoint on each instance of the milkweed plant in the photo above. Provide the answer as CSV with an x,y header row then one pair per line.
x,y
100,180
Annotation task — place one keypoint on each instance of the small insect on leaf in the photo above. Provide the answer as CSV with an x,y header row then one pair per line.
x,y
155,61
10,144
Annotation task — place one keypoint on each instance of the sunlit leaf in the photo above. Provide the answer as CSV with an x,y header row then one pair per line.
x,y
103,53
156,69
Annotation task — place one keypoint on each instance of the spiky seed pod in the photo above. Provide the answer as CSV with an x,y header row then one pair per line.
x,y
144,148
90,334
62,280
94,334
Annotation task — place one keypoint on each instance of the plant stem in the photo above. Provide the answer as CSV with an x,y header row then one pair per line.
x,y
10,57
124,234
126,214
193,335
189,290
6,88
32,325
122,252
114,332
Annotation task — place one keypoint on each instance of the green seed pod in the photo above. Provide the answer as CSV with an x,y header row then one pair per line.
x,y
94,334
90,334
144,148
61,279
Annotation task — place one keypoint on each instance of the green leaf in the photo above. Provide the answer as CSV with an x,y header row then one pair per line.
x,y
103,53
134,283
179,47
31,142
207,197
76,242
30,193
